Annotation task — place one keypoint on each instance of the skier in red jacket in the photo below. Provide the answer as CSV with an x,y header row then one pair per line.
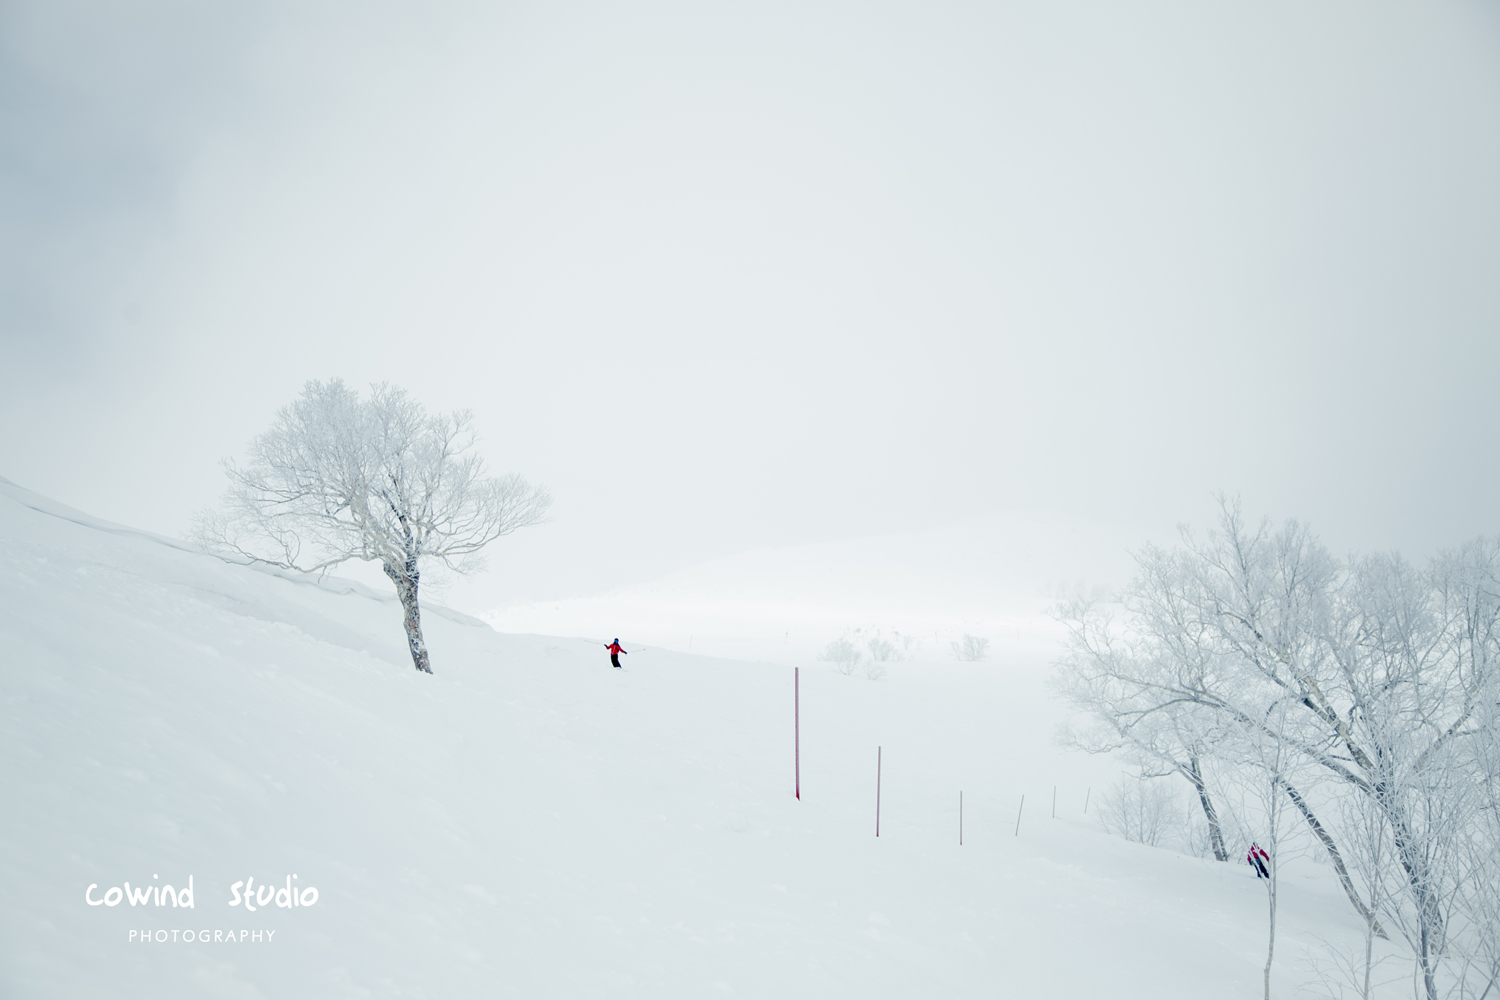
x,y
1258,859
614,653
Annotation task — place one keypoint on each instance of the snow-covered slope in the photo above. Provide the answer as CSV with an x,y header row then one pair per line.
x,y
532,823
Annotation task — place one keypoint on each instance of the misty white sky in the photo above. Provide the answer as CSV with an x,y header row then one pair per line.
x,y
739,274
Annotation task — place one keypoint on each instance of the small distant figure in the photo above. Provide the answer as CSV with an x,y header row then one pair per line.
x,y
614,653
1258,859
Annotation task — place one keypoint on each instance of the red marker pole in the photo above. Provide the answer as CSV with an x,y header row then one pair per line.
x,y
797,728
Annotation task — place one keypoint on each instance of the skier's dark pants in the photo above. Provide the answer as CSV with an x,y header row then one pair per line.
x,y
1260,869
615,659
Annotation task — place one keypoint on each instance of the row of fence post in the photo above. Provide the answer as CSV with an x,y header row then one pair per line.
x,y
879,751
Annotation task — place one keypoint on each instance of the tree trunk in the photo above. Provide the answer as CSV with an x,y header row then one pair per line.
x,y
1271,906
1425,957
1338,859
1215,835
406,577
1430,923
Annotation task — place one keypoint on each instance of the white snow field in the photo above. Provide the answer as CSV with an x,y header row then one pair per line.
x,y
531,823
995,576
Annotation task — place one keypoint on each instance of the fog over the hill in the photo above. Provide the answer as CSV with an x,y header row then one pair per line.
x,y
739,275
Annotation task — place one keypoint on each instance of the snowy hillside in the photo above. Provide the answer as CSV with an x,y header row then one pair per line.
x,y
529,822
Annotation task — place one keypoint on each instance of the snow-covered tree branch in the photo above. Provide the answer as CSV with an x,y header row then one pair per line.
x,y
379,479
1383,675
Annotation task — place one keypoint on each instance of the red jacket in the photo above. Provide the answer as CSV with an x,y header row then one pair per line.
x,y
1257,850
614,648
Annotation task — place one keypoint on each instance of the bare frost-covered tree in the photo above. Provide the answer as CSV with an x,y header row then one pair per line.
x,y
972,649
1123,682
1382,674
843,654
379,479
1137,809
1266,765
1477,887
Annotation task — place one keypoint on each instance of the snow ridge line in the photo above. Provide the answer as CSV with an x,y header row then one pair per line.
x,y
334,585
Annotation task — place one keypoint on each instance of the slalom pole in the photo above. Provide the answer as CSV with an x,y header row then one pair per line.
x,y
1018,815
1054,802
797,728
1086,799
877,791
960,818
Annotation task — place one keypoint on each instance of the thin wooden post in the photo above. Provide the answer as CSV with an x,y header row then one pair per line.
x,y
797,728
960,818
1086,799
877,791
1018,815
1054,802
